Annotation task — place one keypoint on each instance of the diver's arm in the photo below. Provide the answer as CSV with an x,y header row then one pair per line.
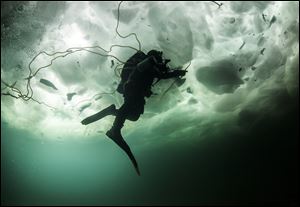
x,y
172,74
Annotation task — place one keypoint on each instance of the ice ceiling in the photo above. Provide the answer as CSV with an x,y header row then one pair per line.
x,y
244,64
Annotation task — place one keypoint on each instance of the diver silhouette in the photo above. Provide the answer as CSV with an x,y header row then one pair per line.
x,y
137,77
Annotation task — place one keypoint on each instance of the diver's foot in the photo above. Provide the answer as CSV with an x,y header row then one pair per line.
x,y
115,135
107,111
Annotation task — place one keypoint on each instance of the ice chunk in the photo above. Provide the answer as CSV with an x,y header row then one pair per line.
x,y
272,21
70,96
48,83
84,106
221,77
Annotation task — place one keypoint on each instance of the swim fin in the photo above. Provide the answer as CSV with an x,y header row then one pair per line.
x,y
105,112
118,139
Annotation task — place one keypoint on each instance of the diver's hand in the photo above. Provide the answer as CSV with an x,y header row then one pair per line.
x,y
180,72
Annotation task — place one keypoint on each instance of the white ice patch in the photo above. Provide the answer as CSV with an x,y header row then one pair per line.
x,y
244,56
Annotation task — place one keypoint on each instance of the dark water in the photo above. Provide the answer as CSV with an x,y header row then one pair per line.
x,y
257,167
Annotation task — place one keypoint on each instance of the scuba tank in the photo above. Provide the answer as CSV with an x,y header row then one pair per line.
x,y
128,67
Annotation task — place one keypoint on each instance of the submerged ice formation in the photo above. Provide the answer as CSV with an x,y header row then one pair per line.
x,y
244,62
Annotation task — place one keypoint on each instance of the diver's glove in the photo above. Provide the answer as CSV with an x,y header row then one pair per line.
x,y
179,72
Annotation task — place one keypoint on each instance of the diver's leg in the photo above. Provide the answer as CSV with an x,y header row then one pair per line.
x,y
115,131
115,134
121,116
111,110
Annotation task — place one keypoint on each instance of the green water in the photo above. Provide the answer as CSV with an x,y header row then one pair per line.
x,y
258,167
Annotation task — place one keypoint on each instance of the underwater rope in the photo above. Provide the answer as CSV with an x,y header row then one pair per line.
x,y
29,91
219,4
134,34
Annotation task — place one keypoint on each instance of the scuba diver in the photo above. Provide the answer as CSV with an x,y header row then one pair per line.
x,y
137,77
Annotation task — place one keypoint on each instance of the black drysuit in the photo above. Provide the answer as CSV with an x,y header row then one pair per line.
x,y
138,75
